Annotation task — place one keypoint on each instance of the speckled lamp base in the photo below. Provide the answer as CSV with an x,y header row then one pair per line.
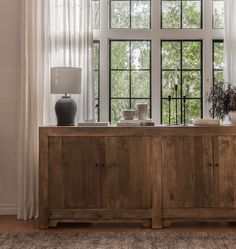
x,y
66,109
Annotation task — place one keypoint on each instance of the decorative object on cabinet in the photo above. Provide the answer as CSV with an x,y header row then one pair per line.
x,y
206,122
142,111
65,80
222,96
128,114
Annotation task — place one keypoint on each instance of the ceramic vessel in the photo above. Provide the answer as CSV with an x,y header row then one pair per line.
x,y
128,114
142,111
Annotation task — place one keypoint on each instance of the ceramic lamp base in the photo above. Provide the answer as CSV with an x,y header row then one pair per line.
x,y
66,109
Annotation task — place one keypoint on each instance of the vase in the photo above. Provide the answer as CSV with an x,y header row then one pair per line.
x,y
232,117
142,111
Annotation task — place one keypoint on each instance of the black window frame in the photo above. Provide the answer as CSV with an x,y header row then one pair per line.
x,y
181,15
130,15
181,70
130,78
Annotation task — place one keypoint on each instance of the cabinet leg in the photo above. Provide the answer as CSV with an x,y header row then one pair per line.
x,y
156,219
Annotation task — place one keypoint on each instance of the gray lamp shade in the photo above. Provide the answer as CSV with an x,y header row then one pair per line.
x,y
65,80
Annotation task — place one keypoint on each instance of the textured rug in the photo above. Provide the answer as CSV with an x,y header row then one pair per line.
x,y
128,240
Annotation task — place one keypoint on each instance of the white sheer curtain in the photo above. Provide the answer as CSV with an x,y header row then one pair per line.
x,y
230,41
71,43
53,33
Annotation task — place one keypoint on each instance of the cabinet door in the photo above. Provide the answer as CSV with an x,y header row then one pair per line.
x,y
126,175
187,172
74,174
225,171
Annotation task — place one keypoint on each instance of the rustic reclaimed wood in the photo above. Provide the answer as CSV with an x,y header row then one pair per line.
x,y
225,171
137,174
126,174
187,172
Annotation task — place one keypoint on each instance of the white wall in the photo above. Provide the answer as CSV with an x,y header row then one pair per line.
x,y
9,80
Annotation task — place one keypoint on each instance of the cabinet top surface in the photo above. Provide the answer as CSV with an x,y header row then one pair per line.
x,y
137,131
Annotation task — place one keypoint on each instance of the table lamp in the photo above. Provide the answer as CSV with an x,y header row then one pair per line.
x,y
65,80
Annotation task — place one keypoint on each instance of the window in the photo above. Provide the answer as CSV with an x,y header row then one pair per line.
x,y
181,79
130,75
130,14
218,14
181,14
96,78
96,13
176,40
218,61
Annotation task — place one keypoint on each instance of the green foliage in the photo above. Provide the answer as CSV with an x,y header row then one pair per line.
x,y
130,60
130,75
218,14
171,14
134,14
189,77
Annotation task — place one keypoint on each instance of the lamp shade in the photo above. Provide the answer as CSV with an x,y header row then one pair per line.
x,y
65,80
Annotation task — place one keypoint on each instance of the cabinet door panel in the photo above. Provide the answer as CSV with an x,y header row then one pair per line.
x,y
74,179
187,172
225,171
126,176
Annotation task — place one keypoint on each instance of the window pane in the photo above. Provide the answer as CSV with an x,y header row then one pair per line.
x,y
218,55
181,14
169,79
96,13
193,84
96,83
140,55
191,55
193,110
96,77
120,14
130,14
130,75
120,55
171,14
218,14
117,105
165,111
140,85
186,81
218,77
171,55
218,62
140,14
191,14
120,84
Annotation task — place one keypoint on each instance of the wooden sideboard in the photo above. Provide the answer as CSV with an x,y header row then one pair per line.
x,y
149,175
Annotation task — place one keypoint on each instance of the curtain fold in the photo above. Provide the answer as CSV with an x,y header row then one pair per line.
x,y
230,41
53,33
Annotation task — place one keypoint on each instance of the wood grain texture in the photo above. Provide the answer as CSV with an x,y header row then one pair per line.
x,y
156,182
187,172
144,174
225,171
43,180
126,175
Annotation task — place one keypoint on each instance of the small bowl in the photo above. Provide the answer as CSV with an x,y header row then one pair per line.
x,y
128,114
